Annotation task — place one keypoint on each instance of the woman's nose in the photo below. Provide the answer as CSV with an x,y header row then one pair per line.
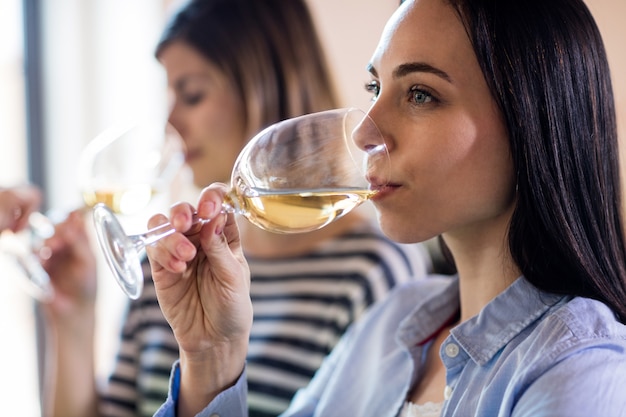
x,y
368,137
174,121
366,134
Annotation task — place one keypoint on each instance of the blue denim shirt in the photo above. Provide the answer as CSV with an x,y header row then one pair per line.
x,y
527,353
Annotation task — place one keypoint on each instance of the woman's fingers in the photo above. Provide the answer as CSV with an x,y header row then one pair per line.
x,y
16,204
172,252
206,225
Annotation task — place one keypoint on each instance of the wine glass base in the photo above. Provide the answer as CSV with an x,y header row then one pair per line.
x,y
35,280
20,255
121,253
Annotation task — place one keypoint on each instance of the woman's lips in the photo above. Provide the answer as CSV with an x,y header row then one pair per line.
x,y
382,190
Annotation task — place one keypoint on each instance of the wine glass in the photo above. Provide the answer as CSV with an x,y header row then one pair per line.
x,y
128,164
295,176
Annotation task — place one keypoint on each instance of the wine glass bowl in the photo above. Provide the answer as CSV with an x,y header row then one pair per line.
x,y
302,173
127,164
295,176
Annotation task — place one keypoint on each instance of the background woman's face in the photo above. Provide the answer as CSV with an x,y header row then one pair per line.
x,y
450,157
206,111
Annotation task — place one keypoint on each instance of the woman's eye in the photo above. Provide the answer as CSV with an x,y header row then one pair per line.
x,y
420,96
373,88
192,99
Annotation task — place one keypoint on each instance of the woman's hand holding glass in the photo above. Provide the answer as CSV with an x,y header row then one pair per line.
x,y
297,175
71,265
202,282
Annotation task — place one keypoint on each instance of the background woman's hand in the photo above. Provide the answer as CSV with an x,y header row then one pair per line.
x,y
16,204
71,264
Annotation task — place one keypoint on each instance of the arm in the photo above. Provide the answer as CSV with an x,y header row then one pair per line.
x,y
202,282
69,380
230,402
590,383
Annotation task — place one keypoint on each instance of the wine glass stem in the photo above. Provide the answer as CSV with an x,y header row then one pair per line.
x,y
154,234
166,229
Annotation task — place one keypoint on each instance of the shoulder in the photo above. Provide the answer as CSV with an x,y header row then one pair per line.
x,y
584,372
583,332
583,363
578,329
581,323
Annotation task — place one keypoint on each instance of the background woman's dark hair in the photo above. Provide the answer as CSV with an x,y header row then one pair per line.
x,y
546,66
269,49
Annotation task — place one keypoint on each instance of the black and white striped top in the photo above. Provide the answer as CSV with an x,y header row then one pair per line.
x,y
302,306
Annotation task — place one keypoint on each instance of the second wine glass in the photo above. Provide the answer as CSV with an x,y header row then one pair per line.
x,y
128,164
295,176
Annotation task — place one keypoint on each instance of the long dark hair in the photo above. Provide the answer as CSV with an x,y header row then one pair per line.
x,y
546,66
269,49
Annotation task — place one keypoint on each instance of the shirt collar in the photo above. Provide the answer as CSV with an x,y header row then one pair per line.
x,y
506,316
437,302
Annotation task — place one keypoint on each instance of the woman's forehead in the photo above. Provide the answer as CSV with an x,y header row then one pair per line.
x,y
425,31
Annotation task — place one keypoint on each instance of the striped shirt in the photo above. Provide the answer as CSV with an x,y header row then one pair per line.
x,y
302,305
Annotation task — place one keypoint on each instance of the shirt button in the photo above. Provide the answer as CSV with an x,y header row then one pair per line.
x,y
214,415
447,392
452,350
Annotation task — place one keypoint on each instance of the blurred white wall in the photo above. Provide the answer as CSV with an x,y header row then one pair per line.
x,y
18,391
12,100
350,30
99,70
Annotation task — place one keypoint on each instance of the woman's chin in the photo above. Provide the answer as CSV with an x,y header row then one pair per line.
x,y
398,231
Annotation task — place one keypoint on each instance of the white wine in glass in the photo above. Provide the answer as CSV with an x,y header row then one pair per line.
x,y
295,176
297,211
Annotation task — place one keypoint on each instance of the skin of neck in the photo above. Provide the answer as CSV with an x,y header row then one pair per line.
x,y
484,262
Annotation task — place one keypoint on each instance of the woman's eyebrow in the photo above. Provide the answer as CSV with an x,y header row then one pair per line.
x,y
189,78
411,67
